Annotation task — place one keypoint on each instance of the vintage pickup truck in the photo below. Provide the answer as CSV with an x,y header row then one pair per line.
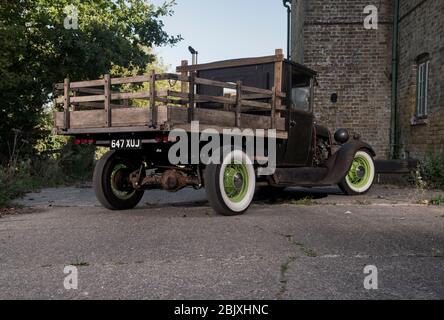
x,y
269,93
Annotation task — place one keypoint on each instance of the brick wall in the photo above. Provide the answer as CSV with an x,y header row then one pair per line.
x,y
421,31
353,62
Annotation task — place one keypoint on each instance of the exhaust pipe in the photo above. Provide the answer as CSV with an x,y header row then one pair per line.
x,y
194,54
287,4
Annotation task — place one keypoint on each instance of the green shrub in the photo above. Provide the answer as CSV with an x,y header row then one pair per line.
x,y
432,170
438,200
48,168
15,182
77,162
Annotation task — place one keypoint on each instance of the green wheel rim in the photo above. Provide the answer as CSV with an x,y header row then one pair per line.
x,y
123,195
360,172
236,182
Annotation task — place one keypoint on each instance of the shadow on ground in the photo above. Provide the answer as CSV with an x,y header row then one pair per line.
x,y
301,196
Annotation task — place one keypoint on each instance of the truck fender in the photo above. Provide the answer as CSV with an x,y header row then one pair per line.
x,y
340,163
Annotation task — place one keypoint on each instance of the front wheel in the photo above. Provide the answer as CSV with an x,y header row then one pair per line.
x,y
361,175
111,182
230,185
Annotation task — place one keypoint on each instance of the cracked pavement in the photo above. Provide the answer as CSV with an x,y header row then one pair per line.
x,y
178,248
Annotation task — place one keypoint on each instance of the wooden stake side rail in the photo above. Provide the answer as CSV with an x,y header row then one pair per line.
x,y
166,107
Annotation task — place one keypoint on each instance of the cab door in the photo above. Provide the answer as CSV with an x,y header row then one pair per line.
x,y
301,120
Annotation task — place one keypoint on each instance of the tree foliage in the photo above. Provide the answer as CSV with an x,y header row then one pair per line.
x,y
38,51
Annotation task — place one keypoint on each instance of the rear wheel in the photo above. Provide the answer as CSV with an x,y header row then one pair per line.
x,y
111,182
230,185
361,175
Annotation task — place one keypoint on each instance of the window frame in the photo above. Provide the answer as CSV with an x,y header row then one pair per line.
x,y
422,86
310,86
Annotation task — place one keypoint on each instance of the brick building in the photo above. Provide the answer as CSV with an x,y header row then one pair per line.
x,y
355,70
421,61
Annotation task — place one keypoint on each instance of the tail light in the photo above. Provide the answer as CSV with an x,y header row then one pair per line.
x,y
84,141
162,138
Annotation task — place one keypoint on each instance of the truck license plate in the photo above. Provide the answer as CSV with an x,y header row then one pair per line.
x,y
126,144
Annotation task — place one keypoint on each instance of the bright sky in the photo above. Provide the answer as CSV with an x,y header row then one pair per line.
x,y
225,29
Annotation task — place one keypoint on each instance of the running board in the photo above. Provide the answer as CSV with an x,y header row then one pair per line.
x,y
305,176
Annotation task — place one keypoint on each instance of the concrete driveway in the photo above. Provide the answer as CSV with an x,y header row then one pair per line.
x,y
176,247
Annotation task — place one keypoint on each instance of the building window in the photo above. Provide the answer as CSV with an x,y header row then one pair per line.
x,y
422,85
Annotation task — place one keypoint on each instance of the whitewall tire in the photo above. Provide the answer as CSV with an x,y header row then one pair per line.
x,y
361,175
230,186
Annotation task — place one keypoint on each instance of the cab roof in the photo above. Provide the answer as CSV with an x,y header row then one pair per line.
x,y
244,62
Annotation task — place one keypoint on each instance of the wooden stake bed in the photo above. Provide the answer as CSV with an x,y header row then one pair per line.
x,y
100,106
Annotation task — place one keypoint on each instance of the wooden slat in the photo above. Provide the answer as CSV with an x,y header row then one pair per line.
x,y
120,118
256,104
107,130
227,106
88,119
176,94
205,98
98,105
153,107
228,85
88,99
107,100
130,95
227,64
172,101
224,100
187,127
114,97
146,95
273,109
131,117
93,91
263,91
86,84
255,96
67,104
138,120
192,96
263,122
81,84
184,85
172,76
178,115
215,83
278,69
238,122
129,80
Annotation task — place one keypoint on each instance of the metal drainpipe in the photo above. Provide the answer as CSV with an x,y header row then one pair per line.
x,y
394,138
287,4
